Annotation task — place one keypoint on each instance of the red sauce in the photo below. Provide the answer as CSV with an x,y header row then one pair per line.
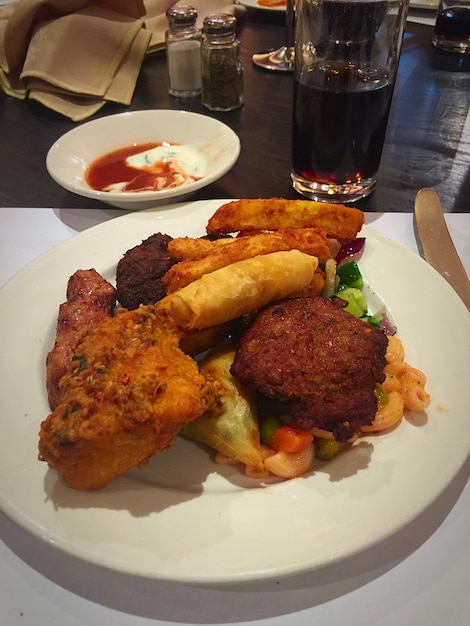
x,y
112,168
272,3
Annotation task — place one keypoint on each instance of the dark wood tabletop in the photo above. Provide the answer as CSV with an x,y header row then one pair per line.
x,y
427,143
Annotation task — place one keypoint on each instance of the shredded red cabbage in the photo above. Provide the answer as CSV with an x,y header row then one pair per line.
x,y
350,250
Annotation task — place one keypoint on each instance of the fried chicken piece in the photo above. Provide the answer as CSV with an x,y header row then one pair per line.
x,y
319,361
337,221
130,392
90,300
308,240
139,272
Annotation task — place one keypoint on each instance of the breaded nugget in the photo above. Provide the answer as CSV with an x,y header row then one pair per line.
x,y
90,300
131,391
320,361
139,272
335,220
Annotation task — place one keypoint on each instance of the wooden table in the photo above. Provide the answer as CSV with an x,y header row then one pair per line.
x,y
427,144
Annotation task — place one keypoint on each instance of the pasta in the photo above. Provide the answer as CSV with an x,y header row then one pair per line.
x,y
404,386
388,414
290,464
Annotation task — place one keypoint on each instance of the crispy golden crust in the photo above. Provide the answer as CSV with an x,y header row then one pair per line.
x,y
130,392
308,240
239,288
336,220
186,247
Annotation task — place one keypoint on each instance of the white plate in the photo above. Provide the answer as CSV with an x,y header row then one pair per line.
x,y
185,519
70,156
253,4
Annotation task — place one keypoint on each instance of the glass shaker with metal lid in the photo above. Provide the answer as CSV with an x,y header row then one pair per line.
x,y
183,52
222,69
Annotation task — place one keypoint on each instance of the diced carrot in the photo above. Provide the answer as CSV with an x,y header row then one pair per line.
x,y
291,439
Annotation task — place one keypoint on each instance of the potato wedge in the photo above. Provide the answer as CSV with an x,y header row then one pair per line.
x,y
336,220
182,248
308,240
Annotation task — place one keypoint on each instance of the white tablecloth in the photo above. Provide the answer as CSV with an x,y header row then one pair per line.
x,y
417,577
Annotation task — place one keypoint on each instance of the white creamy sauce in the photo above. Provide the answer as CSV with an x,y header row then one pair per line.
x,y
187,157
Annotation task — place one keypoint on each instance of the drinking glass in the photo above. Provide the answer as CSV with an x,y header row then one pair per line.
x,y
282,59
452,31
346,60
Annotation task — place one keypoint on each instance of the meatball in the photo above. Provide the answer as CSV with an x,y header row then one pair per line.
x,y
318,361
139,272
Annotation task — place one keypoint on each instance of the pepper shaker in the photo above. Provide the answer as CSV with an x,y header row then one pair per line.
x,y
183,52
222,70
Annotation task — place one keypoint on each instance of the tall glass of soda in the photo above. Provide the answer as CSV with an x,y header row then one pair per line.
x,y
346,61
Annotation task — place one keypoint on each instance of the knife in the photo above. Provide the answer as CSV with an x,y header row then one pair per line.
x,y
436,243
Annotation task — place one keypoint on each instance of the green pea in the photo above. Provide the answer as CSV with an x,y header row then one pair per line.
x,y
325,449
268,428
380,394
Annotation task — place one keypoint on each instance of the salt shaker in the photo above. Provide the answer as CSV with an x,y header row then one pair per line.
x,y
183,52
222,69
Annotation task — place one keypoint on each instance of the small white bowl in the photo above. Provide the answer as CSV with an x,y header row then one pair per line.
x,y
69,158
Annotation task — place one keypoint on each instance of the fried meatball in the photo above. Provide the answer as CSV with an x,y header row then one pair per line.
x,y
140,270
319,361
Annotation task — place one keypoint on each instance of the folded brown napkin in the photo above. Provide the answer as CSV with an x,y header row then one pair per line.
x,y
72,55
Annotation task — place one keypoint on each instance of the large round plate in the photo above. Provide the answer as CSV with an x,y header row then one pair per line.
x,y
185,519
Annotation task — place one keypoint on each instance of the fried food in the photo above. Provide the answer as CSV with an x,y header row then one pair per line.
x,y
130,392
182,248
308,240
232,427
139,272
90,300
239,288
335,220
319,362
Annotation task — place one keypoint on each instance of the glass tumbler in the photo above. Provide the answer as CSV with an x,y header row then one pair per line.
x,y
452,30
346,60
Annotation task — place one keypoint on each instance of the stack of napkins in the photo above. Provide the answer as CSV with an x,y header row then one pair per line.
x,y
73,56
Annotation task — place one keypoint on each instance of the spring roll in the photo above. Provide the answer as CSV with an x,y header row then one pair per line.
x,y
240,288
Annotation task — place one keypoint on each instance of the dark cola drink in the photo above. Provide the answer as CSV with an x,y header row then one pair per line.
x,y
452,29
346,62
339,124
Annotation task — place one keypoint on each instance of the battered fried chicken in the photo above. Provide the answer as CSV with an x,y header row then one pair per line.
x,y
318,361
90,300
130,392
139,272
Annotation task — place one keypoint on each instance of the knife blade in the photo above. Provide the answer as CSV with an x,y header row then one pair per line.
x,y
436,243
